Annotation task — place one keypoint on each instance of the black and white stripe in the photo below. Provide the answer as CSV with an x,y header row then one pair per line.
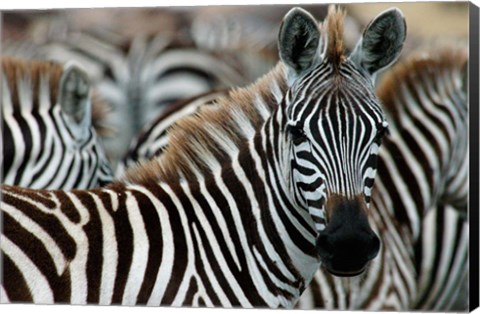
x,y
420,193
423,223
141,75
227,220
152,139
48,138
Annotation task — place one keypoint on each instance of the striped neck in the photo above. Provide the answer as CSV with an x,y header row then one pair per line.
x,y
235,153
293,222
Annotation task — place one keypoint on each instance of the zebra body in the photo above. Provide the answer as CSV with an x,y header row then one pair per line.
x,y
48,137
420,192
426,98
265,186
147,255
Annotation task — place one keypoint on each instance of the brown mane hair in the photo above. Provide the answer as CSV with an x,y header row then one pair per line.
x,y
196,140
16,69
335,48
438,63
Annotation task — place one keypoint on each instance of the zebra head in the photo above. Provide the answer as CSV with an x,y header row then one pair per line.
x,y
48,137
333,126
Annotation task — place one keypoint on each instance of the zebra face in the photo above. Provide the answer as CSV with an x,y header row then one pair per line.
x,y
334,136
334,141
334,124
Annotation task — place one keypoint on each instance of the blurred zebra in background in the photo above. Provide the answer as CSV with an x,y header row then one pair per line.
x,y
421,189
426,158
152,139
139,74
48,127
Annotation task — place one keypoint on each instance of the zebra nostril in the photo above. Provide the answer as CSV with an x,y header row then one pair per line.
x,y
324,246
347,251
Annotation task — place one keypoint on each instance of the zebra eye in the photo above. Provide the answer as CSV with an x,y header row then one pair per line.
x,y
382,132
298,135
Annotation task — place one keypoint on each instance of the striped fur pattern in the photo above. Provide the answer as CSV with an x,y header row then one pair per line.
x,y
48,138
430,113
224,217
141,75
152,139
428,91
420,193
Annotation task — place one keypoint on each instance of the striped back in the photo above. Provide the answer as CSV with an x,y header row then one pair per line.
x,y
426,97
427,161
48,138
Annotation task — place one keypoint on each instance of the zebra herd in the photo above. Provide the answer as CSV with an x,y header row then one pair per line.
x,y
318,185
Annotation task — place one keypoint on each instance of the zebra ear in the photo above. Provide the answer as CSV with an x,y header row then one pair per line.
x,y
74,94
298,40
381,43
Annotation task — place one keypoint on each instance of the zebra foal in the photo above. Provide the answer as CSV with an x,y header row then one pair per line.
x,y
247,202
48,138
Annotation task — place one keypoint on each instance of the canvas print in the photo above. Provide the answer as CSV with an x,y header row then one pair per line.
x,y
256,156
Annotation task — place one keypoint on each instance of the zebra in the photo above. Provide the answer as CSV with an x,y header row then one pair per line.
x,y
152,139
48,138
141,75
248,201
426,90
431,114
423,176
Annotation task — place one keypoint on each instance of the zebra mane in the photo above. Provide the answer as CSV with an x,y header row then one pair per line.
x,y
16,70
441,66
201,142
335,52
